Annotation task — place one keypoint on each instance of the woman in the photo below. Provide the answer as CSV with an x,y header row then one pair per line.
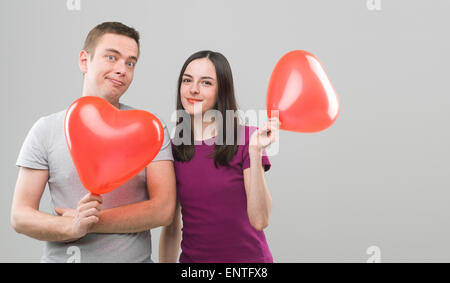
x,y
221,189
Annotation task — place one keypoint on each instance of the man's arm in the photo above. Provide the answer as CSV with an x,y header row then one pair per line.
x,y
27,219
157,211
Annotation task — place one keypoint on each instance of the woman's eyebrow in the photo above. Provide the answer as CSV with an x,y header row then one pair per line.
x,y
204,77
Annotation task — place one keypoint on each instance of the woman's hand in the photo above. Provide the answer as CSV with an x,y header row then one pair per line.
x,y
265,136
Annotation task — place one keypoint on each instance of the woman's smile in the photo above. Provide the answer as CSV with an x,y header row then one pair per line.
x,y
193,100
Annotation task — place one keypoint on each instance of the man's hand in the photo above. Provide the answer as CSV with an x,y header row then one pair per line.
x,y
84,216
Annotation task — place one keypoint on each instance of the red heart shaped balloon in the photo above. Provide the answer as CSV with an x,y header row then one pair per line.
x,y
301,91
109,146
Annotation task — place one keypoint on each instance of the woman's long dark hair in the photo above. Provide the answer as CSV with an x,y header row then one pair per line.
x,y
223,153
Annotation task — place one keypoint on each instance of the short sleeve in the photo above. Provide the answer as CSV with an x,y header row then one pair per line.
x,y
33,153
246,156
166,149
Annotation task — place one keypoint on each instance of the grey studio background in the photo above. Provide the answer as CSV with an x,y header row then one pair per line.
x,y
377,177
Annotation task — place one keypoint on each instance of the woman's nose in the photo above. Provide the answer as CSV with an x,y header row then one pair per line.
x,y
194,89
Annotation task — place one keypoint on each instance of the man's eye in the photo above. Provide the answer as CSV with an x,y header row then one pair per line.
x,y
130,64
111,57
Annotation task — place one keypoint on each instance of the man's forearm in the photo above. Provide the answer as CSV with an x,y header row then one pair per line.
x,y
42,226
133,218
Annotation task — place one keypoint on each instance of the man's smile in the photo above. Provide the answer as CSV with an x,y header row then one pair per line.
x,y
115,82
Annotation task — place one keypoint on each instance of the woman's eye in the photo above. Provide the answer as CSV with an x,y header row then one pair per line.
x,y
186,80
207,83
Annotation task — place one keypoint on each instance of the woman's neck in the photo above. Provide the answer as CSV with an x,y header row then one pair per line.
x,y
203,130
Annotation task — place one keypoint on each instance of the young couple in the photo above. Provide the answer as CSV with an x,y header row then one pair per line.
x,y
217,191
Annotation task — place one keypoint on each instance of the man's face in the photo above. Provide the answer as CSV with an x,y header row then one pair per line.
x,y
109,73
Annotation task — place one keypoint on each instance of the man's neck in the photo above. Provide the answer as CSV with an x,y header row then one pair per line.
x,y
114,102
88,92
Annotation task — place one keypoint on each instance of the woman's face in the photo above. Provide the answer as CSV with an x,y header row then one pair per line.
x,y
198,88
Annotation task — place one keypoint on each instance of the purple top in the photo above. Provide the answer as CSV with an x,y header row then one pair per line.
x,y
216,227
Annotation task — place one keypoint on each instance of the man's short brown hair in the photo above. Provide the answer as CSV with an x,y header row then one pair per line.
x,y
108,27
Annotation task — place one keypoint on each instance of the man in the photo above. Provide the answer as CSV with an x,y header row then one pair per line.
x,y
90,228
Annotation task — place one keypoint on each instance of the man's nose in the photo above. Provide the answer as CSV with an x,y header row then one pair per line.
x,y
120,69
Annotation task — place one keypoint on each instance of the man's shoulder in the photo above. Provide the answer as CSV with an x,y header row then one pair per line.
x,y
127,107
123,106
54,116
51,119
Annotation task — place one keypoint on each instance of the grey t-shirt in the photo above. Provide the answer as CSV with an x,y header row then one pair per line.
x,y
45,148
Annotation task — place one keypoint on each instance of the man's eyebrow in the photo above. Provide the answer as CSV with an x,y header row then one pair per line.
x,y
118,53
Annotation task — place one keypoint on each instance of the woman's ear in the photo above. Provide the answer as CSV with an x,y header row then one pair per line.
x,y
83,61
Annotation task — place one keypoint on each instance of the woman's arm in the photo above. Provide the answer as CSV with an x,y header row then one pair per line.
x,y
169,242
259,201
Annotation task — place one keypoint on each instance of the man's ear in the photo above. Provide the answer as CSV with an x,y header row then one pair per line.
x,y
83,61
